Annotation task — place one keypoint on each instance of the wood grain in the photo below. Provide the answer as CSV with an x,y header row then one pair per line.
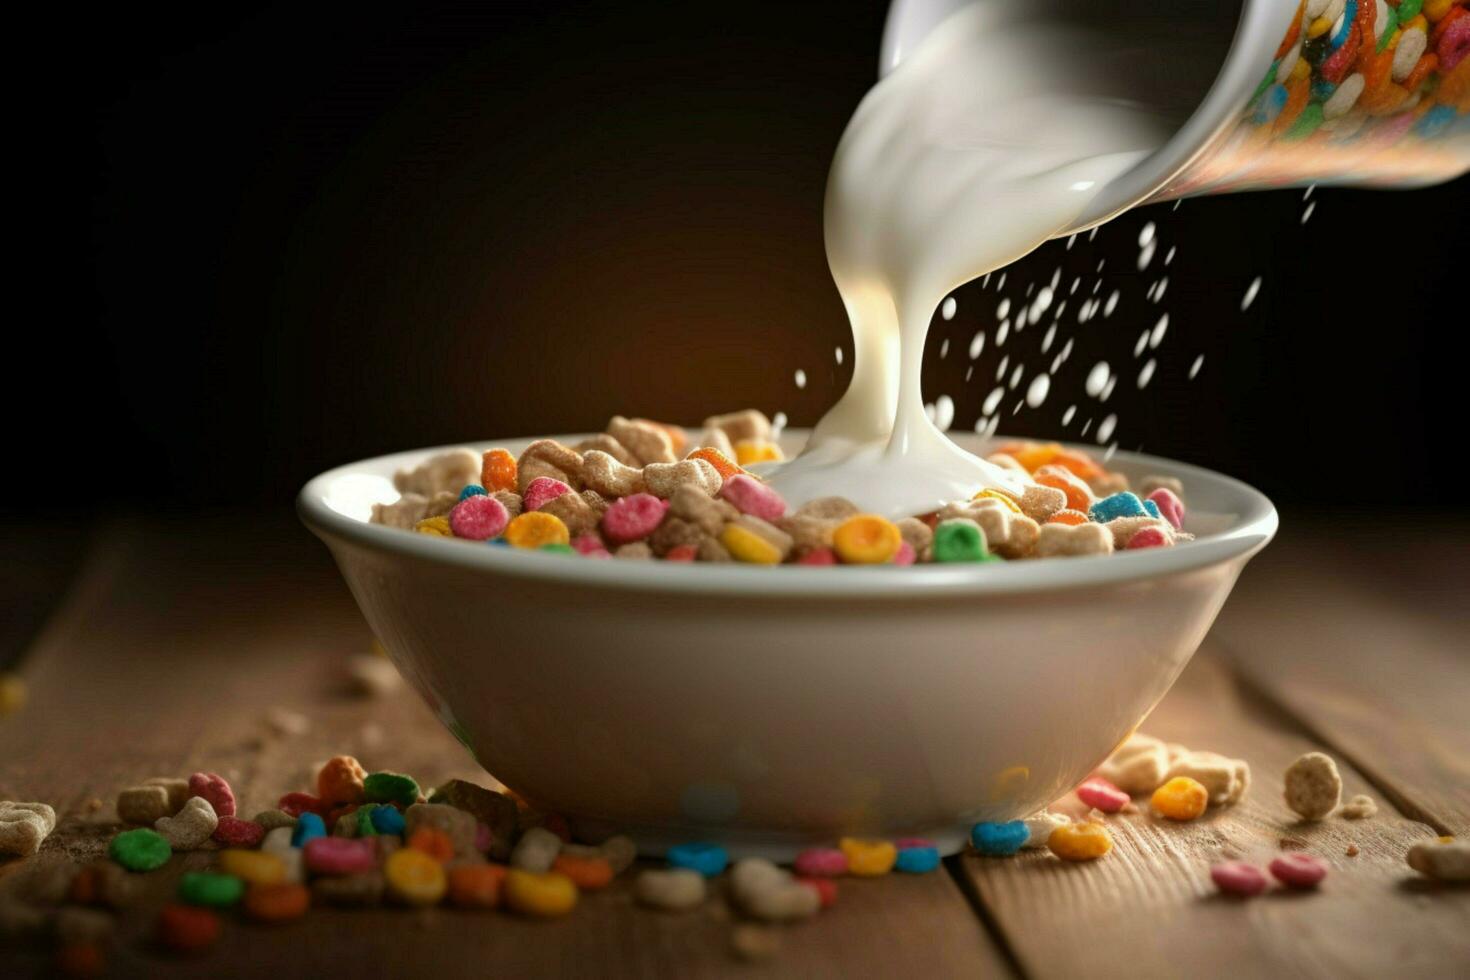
x,y
170,656
1149,909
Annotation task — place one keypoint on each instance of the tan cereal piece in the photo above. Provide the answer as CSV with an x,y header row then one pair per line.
x,y
809,533
828,509
1039,503
1007,533
373,676
648,443
274,819
1039,827
675,532
511,501
763,891
1152,483
411,508
1225,779
1140,765
1360,807
458,825
495,810
634,551
191,828
607,476
449,471
178,791
1065,541
754,943
1108,484
23,826
349,891
693,504
714,438
142,805
1124,528
620,852
710,549
915,532
547,457
662,479
605,443
1313,786
673,890
749,425
536,851
574,511
1443,859
278,842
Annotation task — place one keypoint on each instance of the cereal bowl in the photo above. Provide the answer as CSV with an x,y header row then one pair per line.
x,y
775,708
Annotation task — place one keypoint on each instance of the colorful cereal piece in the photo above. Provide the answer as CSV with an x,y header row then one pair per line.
x,y
999,839
476,886
390,787
252,867
1443,859
708,859
309,826
540,895
587,873
745,545
818,556
1102,795
340,780
542,491
868,858
295,804
590,546
472,490
825,888
818,862
1181,798
633,518
479,518
674,890
997,495
433,842
435,527
1169,506
1149,537
140,850
754,451
905,555
960,539
1238,878
498,471
276,903
1069,517
866,539
723,464
682,552
916,856
213,788
387,820
1079,495
208,888
339,855
1080,841
1123,504
187,929
751,496
414,878
1299,870
234,832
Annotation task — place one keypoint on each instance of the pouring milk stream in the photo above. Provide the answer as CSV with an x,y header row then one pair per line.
x,y
981,146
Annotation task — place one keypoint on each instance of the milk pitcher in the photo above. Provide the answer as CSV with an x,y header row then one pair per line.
x,y
1266,93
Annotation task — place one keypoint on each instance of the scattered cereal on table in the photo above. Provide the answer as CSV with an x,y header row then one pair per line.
x,y
1313,786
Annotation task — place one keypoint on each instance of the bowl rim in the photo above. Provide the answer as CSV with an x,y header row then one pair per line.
x,y
1255,524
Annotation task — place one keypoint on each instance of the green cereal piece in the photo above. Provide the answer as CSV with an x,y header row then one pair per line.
x,y
140,850
390,787
210,888
364,816
559,548
1391,23
960,540
1306,124
1266,82
1408,9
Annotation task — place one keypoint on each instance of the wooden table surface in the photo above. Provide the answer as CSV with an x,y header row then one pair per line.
x,y
175,642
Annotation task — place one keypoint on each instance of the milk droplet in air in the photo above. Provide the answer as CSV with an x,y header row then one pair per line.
x,y
1068,414
1037,391
1005,362
1199,362
947,310
992,401
1250,294
1156,337
944,349
1142,343
1105,429
1017,375
1169,256
1147,374
977,344
1002,332
1146,256
1003,310
800,378
1146,236
839,355
943,413
1307,214
1110,305
1097,378
1051,334
778,424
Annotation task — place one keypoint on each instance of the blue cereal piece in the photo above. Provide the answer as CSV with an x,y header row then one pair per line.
x,y
472,490
1434,122
1271,104
1344,25
1123,504
999,839
1153,509
387,820
917,860
309,826
708,859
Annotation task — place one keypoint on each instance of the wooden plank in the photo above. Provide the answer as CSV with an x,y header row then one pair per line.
x,y
171,655
1149,909
1366,639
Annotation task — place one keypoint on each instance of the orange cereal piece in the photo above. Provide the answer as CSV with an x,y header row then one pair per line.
x,y
676,435
433,842
1298,91
498,471
1181,798
1033,455
997,495
536,529
280,902
723,464
1081,464
587,873
1079,495
340,781
866,539
1068,516
476,886
1423,68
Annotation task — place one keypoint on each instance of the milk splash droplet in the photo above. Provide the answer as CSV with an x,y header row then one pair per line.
x,y
948,309
1250,294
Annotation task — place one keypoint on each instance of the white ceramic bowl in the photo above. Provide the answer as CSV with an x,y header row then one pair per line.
x,y
773,708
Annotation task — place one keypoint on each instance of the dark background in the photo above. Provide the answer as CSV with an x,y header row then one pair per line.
x,y
274,240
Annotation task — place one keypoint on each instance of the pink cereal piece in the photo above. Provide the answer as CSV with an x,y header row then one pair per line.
x,y
821,862
590,546
682,552
1149,537
751,496
1454,44
1238,878
818,556
234,832
905,554
1299,870
295,804
215,791
1100,794
484,837
1169,505
478,518
542,491
825,888
633,518
340,855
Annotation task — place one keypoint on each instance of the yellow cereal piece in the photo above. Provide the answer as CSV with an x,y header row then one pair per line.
x,y
435,526
542,895
253,867
750,451
1318,27
535,529
866,539
1036,454
1300,70
415,878
1181,798
1080,841
1436,9
997,495
868,858
745,545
